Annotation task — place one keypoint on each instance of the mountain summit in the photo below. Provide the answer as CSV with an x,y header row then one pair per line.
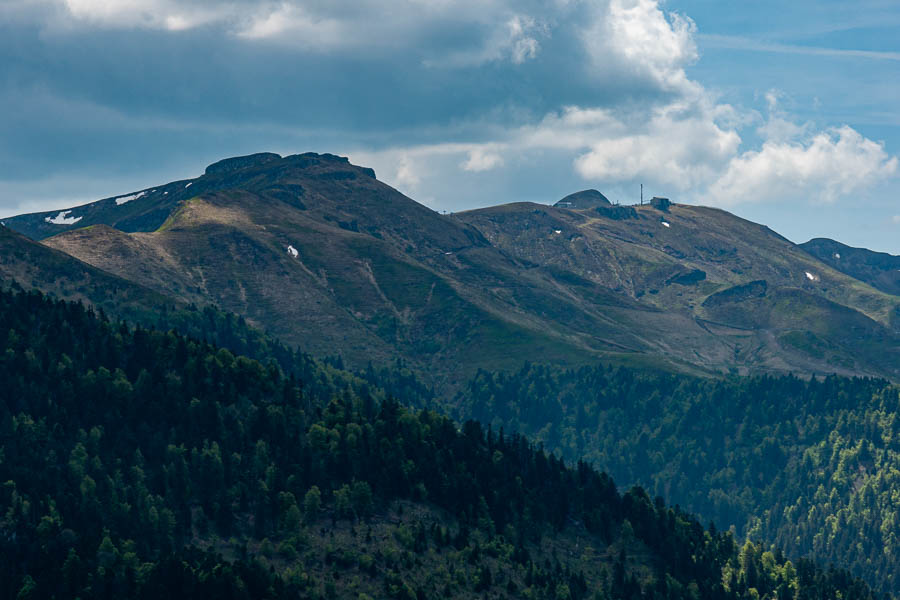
x,y
322,254
266,174
584,199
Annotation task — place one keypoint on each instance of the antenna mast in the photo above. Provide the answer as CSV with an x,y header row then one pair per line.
x,y
642,194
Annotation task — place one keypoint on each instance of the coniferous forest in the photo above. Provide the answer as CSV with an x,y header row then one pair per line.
x,y
143,463
811,466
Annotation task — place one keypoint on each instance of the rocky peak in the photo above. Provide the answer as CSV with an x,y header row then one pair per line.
x,y
237,163
584,199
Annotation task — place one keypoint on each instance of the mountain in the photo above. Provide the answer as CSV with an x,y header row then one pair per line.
x,y
878,269
321,254
584,199
34,266
144,210
738,294
28,265
151,465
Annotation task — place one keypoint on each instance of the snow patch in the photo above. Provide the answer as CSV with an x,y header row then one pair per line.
x,y
557,231
63,218
812,277
293,251
664,224
189,185
126,199
837,255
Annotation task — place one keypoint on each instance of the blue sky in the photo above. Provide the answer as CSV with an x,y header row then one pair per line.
x,y
784,113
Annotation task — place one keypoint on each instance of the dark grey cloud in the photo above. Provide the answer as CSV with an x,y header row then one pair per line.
x,y
457,102
118,96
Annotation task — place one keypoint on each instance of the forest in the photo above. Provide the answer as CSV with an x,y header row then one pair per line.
x,y
140,462
809,465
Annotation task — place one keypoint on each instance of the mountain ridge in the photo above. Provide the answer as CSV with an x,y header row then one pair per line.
x,y
325,256
881,270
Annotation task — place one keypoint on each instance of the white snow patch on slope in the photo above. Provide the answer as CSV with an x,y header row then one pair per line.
x,y
812,277
63,218
664,224
189,185
126,199
293,251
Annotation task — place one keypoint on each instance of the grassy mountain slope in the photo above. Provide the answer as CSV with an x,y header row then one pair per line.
x,y
339,290
348,263
193,473
747,297
35,266
321,254
28,265
879,269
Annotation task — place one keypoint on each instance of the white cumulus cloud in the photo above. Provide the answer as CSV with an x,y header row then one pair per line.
x,y
679,150
647,41
407,173
687,141
480,159
828,166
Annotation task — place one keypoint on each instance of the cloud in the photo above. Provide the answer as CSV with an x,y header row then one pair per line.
x,y
407,173
742,43
521,42
437,95
679,137
515,40
480,160
678,150
159,14
828,166
648,42
693,148
475,31
292,20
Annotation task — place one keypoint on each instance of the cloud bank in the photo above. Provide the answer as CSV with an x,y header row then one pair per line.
x,y
459,102
674,133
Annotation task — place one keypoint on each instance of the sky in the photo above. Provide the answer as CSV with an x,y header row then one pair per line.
x,y
783,113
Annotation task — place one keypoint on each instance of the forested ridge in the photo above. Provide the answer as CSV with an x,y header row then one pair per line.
x,y
811,466
143,463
